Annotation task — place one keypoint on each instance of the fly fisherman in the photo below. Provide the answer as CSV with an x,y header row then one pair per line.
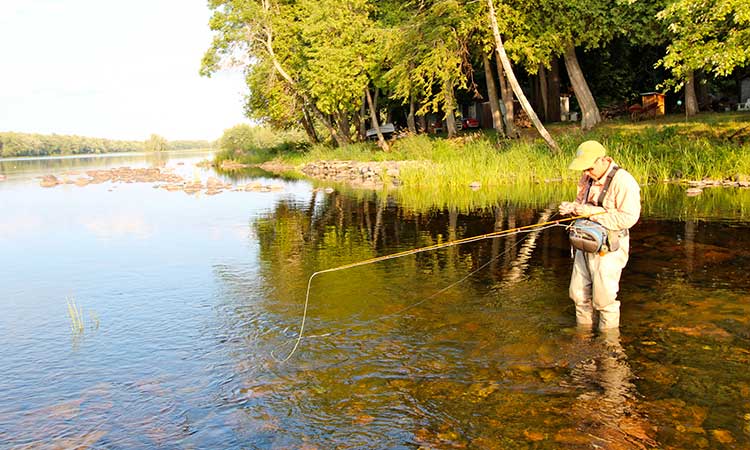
x,y
612,199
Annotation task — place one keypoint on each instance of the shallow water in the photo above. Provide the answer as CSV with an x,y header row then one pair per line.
x,y
190,300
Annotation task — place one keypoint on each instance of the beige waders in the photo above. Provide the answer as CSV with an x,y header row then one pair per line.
x,y
594,285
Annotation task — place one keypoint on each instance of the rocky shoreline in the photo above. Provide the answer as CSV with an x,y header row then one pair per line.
x,y
696,187
365,175
161,178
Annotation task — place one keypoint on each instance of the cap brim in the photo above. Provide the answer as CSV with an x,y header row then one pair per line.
x,y
582,163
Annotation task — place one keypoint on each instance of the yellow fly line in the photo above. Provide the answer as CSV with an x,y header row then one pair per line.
x,y
420,250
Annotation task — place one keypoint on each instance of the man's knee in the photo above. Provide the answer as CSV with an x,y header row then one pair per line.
x,y
580,289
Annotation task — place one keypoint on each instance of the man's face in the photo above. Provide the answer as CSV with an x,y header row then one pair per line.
x,y
598,169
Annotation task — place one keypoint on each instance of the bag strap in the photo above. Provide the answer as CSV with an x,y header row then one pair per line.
x,y
605,188
607,183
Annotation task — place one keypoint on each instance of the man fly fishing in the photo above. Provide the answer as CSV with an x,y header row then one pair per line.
x,y
611,198
607,195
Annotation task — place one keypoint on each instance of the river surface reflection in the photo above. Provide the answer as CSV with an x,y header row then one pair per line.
x,y
189,302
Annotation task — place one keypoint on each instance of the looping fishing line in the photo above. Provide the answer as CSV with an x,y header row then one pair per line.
x,y
452,285
503,233
433,295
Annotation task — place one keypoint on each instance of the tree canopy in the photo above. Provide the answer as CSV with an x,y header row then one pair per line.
x,y
712,36
312,64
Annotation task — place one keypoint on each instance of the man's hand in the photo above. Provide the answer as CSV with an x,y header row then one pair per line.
x,y
567,208
585,209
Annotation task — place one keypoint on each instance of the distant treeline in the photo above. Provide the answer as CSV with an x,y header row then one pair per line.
x,y
26,144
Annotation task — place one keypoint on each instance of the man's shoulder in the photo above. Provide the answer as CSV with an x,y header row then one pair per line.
x,y
624,177
623,174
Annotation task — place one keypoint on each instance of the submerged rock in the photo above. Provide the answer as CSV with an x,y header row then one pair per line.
x,y
571,436
723,436
232,165
49,181
703,330
533,436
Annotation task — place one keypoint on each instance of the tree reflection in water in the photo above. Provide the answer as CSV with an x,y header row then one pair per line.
x,y
493,362
474,334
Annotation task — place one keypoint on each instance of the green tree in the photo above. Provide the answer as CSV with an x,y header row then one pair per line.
x,y
303,58
712,36
248,33
155,143
429,56
514,83
540,30
343,53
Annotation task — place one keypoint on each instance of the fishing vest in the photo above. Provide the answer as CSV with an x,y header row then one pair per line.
x,y
592,237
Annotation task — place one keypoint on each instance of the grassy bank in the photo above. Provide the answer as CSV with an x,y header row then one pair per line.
x,y
710,146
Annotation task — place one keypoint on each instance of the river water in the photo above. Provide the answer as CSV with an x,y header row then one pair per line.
x,y
189,302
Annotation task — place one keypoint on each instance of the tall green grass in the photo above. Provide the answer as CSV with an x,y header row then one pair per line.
x,y
75,313
669,149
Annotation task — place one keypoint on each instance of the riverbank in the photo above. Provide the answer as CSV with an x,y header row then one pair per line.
x,y
709,149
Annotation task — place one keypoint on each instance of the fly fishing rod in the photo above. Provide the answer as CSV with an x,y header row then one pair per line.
x,y
467,240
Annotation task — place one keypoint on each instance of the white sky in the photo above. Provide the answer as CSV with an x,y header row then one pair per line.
x,y
112,69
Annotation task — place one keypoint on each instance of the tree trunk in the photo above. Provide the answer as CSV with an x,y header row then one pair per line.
x,y
543,91
331,129
589,110
497,119
308,125
342,122
517,87
701,89
422,120
553,91
381,140
691,102
535,96
450,118
410,122
363,119
507,94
